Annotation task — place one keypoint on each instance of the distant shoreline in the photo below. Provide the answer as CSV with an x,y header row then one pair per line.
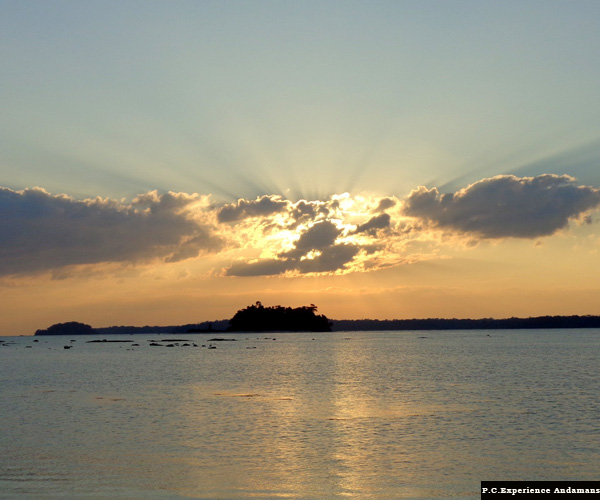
x,y
547,322
469,324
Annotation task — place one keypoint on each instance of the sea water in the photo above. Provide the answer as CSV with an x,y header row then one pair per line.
x,y
365,415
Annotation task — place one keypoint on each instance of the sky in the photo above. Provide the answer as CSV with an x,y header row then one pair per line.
x,y
170,162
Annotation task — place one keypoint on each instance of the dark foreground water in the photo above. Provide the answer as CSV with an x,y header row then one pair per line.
x,y
361,415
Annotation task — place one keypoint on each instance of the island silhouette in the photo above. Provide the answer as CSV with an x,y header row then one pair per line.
x,y
260,318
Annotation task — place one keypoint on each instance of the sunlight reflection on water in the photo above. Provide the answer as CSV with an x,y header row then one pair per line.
x,y
379,415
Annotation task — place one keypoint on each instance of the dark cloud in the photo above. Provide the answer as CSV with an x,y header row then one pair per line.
x,y
295,214
321,235
303,212
263,267
331,259
319,241
242,209
380,221
302,209
384,204
506,206
40,231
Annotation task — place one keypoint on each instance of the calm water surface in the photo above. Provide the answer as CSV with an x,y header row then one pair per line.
x,y
365,415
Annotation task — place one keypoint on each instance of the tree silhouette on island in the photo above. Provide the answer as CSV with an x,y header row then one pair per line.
x,y
258,318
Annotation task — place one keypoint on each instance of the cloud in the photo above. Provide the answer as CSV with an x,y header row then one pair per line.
x,y
384,204
242,209
318,237
40,231
330,259
338,235
506,206
263,267
315,251
271,236
304,212
380,221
